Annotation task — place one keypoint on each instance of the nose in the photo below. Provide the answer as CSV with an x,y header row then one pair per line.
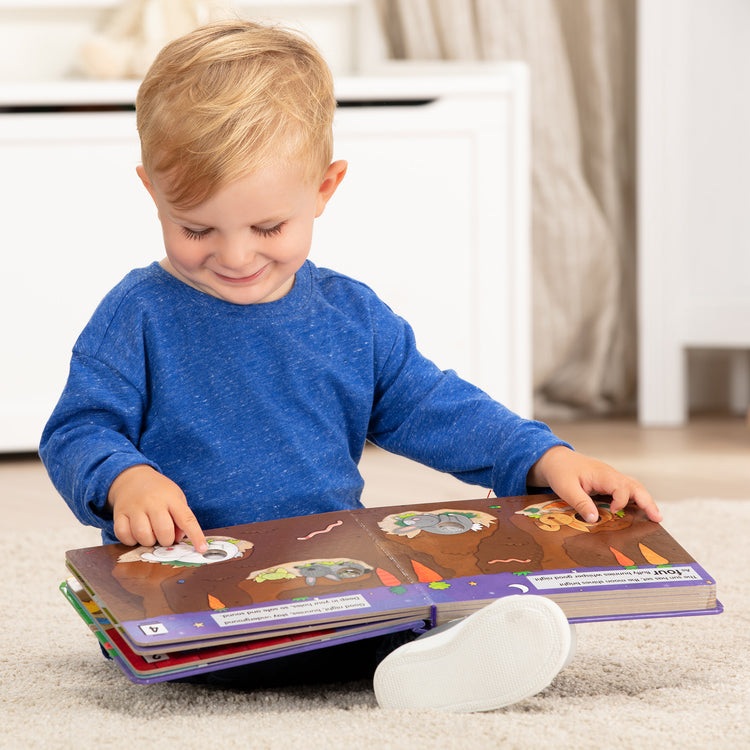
x,y
236,251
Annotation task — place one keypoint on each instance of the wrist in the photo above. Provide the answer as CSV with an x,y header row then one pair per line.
x,y
125,479
538,473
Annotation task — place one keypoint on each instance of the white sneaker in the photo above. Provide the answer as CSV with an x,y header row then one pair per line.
x,y
507,651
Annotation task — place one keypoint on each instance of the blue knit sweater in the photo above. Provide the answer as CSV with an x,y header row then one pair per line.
x,y
262,411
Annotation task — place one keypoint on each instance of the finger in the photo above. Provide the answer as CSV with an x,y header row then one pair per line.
x,y
186,521
643,499
636,492
620,499
123,532
163,528
140,528
576,497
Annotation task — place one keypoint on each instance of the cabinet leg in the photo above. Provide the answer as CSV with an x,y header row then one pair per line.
x,y
662,386
739,382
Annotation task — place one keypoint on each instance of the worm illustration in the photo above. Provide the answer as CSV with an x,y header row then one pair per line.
x,y
322,531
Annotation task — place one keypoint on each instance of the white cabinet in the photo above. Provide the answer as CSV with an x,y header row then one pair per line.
x,y
694,186
74,221
433,214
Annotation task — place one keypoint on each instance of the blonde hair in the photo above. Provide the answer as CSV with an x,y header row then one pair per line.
x,y
230,98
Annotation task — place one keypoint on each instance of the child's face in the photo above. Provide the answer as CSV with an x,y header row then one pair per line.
x,y
245,243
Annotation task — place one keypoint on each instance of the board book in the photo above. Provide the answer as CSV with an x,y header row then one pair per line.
x,y
272,588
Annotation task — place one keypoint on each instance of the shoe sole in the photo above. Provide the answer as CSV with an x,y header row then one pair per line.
x,y
507,651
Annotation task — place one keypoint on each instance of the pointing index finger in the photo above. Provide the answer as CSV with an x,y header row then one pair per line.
x,y
188,524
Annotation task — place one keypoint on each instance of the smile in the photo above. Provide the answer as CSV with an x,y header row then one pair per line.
x,y
241,279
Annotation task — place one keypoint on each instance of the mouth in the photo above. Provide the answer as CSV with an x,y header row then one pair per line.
x,y
239,280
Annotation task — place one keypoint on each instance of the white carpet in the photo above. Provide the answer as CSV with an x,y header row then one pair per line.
x,y
667,683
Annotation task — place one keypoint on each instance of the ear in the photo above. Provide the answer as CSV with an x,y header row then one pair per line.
x,y
141,172
331,180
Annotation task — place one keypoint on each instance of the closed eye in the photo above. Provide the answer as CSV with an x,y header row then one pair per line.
x,y
195,234
199,234
270,231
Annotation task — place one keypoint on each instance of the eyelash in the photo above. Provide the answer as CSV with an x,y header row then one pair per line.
x,y
271,231
193,234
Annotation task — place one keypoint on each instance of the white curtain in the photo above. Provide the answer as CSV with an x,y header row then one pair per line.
x,y
581,55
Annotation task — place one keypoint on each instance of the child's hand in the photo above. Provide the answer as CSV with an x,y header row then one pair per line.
x,y
149,509
573,477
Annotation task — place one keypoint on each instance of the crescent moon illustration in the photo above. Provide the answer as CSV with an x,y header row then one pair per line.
x,y
520,586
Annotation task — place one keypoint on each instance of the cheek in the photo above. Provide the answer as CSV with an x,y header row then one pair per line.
x,y
183,251
293,245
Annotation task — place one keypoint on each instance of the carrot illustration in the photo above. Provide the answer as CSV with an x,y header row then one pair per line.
x,y
386,578
425,574
623,560
215,603
652,556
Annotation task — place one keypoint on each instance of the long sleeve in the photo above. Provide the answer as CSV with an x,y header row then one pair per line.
x,y
91,437
262,411
440,420
97,424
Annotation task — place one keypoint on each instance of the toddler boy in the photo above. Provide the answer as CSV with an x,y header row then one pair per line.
x,y
234,381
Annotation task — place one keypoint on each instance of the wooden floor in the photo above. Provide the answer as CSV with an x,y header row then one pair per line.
x,y
708,458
